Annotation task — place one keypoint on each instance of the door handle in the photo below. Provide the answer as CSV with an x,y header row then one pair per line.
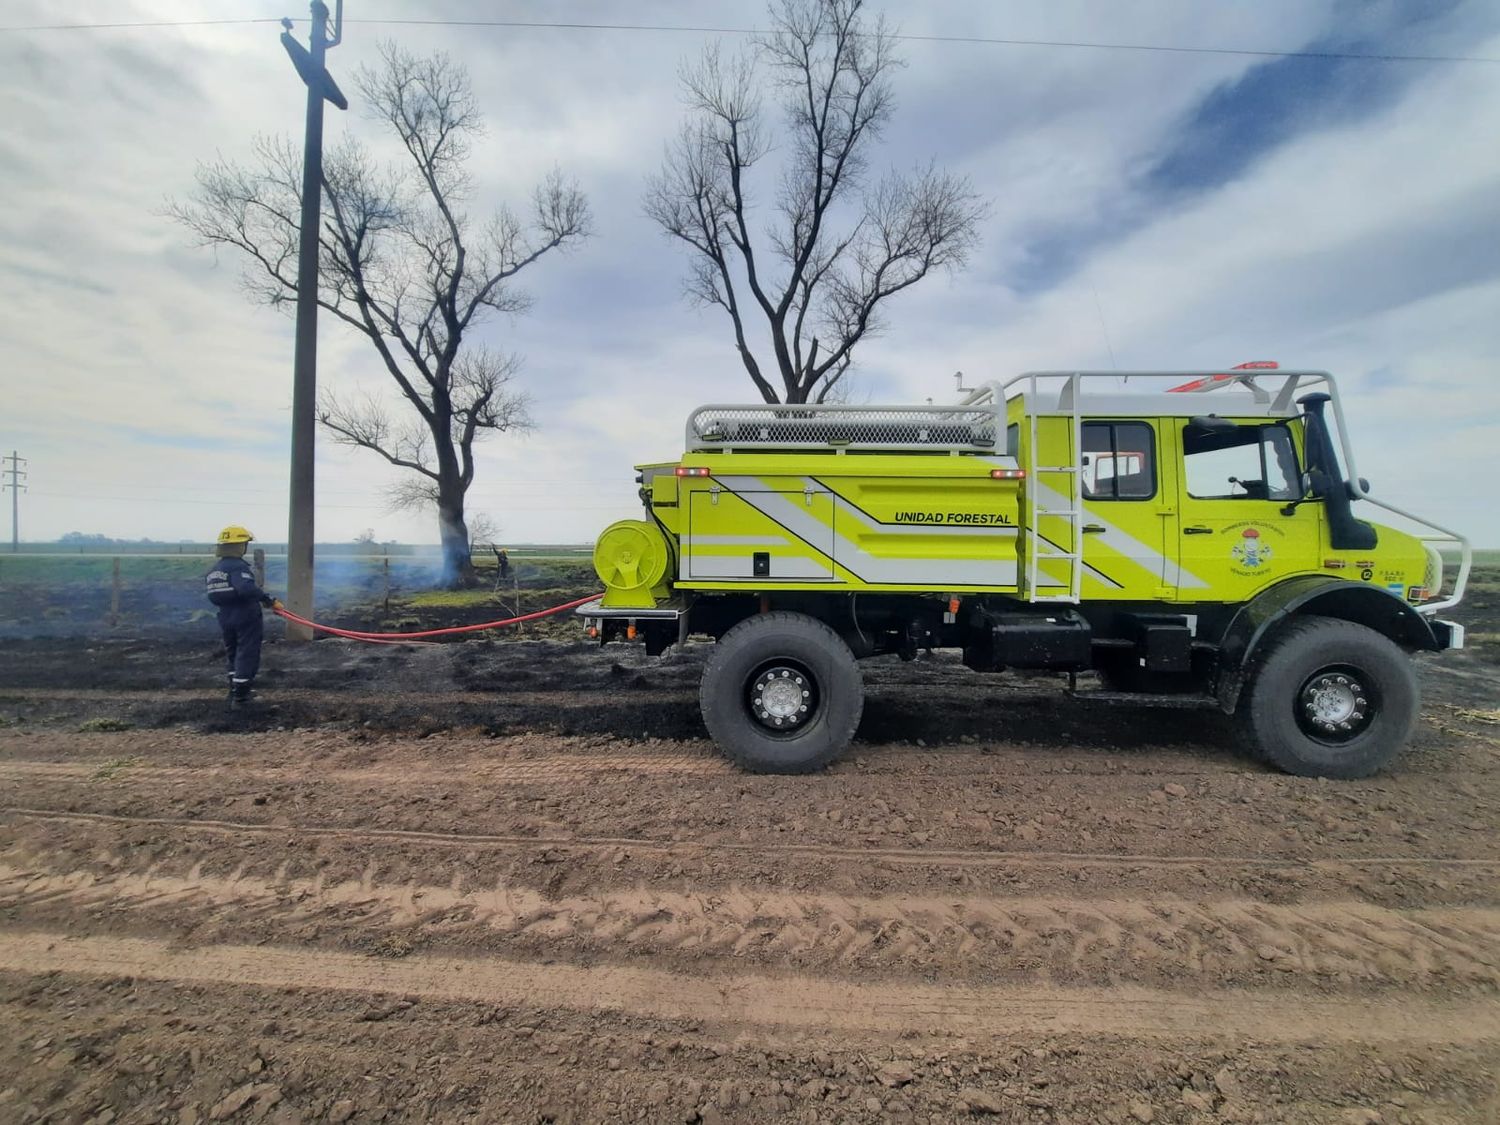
x,y
1198,529
1093,528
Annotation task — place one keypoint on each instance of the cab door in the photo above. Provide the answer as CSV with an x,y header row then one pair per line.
x,y
1126,501
1234,539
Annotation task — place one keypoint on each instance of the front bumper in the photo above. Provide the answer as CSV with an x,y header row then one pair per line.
x,y
1447,634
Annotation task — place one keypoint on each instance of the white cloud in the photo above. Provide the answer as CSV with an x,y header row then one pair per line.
x,y
1327,252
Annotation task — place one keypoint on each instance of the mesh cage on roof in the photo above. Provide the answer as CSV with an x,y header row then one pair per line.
x,y
861,427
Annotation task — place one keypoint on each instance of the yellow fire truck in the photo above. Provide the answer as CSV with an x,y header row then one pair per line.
x,y
1190,537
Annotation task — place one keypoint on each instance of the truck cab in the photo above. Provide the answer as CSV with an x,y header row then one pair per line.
x,y
1190,537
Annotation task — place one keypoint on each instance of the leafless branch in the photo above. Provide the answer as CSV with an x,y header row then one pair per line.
x,y
835,249
401,261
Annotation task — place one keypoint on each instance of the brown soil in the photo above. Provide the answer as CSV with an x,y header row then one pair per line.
x,y
514,882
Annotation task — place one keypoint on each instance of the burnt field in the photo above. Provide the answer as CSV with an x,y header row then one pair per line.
x,y
511,880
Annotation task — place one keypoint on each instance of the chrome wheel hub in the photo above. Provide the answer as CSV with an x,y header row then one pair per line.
x,y
781,697
1335,705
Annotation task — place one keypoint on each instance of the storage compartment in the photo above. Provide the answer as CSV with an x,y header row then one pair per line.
x,y
1164,643
1031,640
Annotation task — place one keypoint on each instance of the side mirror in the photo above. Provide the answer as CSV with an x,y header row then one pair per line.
x,y
1314,487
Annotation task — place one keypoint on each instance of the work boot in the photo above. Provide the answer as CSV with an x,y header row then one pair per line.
x,y
240,695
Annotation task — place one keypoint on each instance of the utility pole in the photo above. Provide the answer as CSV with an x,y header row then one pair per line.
x,y
320,86
16,475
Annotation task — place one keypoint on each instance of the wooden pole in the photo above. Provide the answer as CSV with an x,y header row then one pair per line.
x,y
259,563
387,569
114,593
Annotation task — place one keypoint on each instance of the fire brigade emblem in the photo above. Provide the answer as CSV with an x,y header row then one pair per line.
x,y
1251,552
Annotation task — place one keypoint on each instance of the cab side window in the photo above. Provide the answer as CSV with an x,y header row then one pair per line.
x,y
1246,463
1119,461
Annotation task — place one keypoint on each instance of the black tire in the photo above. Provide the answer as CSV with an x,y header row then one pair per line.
x,y
1329,698
776,737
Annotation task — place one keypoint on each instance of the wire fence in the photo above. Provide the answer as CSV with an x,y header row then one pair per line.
x,y
45,591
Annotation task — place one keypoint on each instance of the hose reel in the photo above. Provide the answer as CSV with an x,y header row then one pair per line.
x,y
631,558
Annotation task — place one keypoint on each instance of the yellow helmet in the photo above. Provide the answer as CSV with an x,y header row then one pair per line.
x,y
234,533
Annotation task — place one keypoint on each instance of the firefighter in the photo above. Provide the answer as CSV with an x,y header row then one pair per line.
x,y
232,588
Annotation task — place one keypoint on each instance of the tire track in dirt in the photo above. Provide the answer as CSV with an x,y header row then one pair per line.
x,y
1125,939
917,856
352,694
698,760
772,1000
322,754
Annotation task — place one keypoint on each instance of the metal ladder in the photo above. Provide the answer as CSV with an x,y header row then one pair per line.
x,y
1073,513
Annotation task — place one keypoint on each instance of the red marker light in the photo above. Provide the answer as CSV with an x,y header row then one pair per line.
x,y
693,471
1007,474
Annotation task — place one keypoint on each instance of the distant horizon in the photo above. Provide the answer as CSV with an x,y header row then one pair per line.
x,y
346,544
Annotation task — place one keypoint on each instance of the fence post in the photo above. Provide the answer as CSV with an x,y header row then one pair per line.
x,y
114,593
259,563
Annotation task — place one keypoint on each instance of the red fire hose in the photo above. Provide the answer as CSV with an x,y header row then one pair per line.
x,y
397,638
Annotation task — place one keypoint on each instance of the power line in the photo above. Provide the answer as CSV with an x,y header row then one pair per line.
x,y
983,40
139,23
373,506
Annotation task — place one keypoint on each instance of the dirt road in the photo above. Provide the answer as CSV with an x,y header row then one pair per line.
x,y
515,883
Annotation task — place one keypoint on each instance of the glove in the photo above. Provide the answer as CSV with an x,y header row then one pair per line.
x,y
276,604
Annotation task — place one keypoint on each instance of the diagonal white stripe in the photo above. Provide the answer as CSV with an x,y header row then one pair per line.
x,y
785,509
1122,541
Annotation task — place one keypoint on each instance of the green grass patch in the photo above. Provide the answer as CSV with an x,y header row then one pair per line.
x,y
451,599
92,726
108,769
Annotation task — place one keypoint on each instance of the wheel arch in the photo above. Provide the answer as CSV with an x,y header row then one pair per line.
x,y
1313,596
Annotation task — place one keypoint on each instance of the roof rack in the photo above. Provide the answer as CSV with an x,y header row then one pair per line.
x,y
955,429
1279,399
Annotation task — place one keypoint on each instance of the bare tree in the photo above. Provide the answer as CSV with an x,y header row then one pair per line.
x,y
837,247
403,263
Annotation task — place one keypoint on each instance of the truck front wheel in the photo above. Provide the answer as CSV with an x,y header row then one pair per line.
x,y
1330,698
782,694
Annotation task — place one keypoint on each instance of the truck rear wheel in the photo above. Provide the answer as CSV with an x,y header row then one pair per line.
x,y
781,694
1330,698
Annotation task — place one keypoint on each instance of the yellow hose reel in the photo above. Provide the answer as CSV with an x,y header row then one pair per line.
x,y
631,558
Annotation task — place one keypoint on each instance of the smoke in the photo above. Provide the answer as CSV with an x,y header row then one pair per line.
x,y
75,596
455,540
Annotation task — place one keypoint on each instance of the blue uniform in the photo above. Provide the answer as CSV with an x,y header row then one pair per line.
x,y
231,587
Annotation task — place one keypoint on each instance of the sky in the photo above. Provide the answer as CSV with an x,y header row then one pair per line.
x,y
1148,209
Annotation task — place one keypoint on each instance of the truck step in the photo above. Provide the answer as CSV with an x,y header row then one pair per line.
x,y
1180,701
